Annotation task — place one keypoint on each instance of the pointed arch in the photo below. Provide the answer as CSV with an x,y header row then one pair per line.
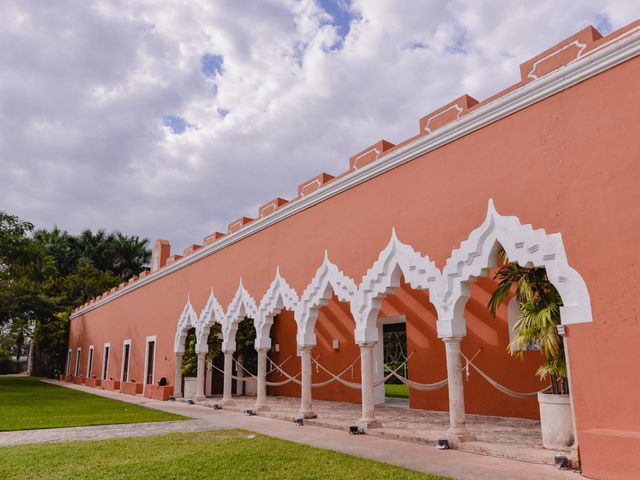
x,y
242,305
212,313
395,260
327,281
188,319
278,296
478,254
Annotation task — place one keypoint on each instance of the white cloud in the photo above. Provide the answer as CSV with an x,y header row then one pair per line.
x,y
86,88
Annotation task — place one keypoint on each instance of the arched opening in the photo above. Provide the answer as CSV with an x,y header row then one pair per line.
x,y
245,358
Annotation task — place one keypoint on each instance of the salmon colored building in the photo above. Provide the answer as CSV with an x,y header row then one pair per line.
x,y
408,235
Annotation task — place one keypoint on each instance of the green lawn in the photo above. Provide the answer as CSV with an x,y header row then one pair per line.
x,y
27,403
222,454
397,391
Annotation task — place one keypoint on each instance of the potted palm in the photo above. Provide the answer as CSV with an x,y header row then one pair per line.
x,y
539,305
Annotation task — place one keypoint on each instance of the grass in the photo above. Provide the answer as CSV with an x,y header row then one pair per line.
x,y
27,403
396,391
222,454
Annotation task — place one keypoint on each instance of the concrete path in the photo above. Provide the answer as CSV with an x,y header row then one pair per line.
x,y
459,465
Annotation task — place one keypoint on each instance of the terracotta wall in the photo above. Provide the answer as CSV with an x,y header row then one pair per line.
x,y
567,164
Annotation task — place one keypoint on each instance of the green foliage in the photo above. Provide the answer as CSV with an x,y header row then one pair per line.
x,y
229,454
190,358
28,403
6,365
45,274
246,345
539,305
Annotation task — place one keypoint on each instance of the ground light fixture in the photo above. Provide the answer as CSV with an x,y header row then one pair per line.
x,y
249,412
355,430
560,461
298,421
443,444
216,406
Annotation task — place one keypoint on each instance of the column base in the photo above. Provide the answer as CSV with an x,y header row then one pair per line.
x,y
227,402
457,435
369,423
308,414
199,398
261,408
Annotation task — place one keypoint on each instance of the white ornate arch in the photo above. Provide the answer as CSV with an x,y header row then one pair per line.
x,y
212,313
395,260
478,254
243,305
327,281
278,296
188,320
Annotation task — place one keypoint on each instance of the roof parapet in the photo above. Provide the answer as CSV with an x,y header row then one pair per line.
x,y
369,154
450,112
238,224
270,207
209,239
314,184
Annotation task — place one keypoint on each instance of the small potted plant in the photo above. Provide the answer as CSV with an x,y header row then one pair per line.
x,y
539,305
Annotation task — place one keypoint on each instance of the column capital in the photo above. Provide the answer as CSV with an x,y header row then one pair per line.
x,y
452,338
305,347
202,354
562,330
263,349
366,344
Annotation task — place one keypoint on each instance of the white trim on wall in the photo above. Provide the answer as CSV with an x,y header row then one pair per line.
x,y
150,339
76,371
90,361
124,345
69,361
621,49
104,374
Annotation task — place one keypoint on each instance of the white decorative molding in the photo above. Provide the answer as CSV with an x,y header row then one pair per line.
x,y
362,155
596,61
478,254
327,281
243,305
278,296
579,45
395,260
455,106
315,181
212,313
188,320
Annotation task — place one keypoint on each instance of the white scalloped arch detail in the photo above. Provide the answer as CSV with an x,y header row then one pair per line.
x,y
478,254
327,281
212,313
242,305
278,296
188,319
395,260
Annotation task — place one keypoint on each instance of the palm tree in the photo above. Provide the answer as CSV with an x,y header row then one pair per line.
x,y
539,304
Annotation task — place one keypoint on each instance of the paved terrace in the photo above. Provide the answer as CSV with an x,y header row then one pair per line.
x,y
414,455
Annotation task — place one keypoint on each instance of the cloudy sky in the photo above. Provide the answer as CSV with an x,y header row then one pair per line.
x,y
170,119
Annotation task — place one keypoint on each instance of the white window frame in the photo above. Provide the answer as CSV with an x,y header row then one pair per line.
x,y
90,361
150,339
104,374
69,361
124,344
76,371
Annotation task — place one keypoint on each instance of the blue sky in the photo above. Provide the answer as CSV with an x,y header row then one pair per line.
x,y
193,114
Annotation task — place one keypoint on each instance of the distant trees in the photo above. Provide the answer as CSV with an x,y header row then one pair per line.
x,y
44,274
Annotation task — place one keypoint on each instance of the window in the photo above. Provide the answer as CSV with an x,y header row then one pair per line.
x,y
126,353
77,370
90,362
150,361
105,361
69,354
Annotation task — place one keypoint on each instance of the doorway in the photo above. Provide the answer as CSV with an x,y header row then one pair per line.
x,y
390,353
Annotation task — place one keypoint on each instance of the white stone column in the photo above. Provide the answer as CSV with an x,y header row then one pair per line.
x,y
200,379
227,398
177,387
261,398
457,417
562,331
306,404
368,419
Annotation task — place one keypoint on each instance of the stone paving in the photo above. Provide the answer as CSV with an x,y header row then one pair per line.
x,y
515,438
457,464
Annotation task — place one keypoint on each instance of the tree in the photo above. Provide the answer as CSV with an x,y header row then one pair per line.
x,y
539,305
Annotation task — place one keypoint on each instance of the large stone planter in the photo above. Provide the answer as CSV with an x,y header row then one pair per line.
x,y
556,421
131,388
111,384
251,387
157,392
190,386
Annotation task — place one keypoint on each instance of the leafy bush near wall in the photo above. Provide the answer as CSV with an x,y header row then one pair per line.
x,y
6,365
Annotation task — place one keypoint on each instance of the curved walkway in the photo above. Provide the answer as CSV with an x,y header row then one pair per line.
x,y
459,465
